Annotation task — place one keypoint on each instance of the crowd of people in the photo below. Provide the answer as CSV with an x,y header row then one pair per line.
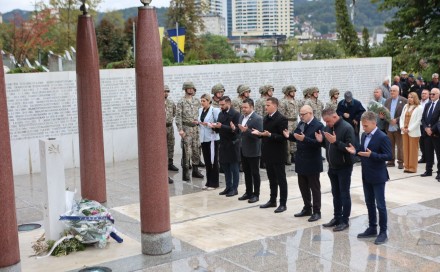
x,y
243,134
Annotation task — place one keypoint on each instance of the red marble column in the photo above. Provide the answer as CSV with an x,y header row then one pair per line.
x,y
9,250
91,146
152,146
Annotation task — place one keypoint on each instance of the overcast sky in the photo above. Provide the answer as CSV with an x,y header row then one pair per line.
x,y
8,5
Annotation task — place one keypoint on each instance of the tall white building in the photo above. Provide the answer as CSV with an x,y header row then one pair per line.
x,y
215,14
262,17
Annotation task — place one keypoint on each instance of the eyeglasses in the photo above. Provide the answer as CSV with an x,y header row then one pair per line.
x,y
302,114
433,93
167,91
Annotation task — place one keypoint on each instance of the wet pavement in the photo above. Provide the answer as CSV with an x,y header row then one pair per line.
x,y
216,233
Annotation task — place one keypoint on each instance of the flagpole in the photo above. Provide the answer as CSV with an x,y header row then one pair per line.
x,y
177,41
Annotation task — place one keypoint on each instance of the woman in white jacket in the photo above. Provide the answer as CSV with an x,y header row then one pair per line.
x,y
410,127
209,140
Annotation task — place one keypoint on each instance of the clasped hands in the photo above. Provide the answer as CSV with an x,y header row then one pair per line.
x,y
352,150
331,137
298,136
261,134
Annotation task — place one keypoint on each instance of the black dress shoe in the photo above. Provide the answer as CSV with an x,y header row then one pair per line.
x,y
341,227
314,217
170,180
224,192
422,160
368,233
400,166
253,199
426,174
330,224
280,209
172,167
232,193
303,213
244,197
268,205
438,176
381,238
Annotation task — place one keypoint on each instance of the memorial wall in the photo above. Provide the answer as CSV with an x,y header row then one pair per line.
x,y
43,105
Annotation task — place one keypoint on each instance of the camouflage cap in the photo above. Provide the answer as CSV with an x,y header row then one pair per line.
x,y
289,88
217,88
243,88
166,88
266,88
313,89
188,85
332,92
261,90
283,89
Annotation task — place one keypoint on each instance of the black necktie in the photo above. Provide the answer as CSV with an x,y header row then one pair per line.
x,y
430,112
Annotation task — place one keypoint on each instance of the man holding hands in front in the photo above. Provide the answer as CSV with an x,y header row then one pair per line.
x,y
374,151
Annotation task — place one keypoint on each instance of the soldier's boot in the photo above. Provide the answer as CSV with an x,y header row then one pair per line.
x,y
185,174
171,166
170,180
288,162
196,173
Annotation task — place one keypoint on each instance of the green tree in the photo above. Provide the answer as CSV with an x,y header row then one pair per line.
x,y
112,45
412,37
64,33
327,50
216,47
264,54
187,14
289,50
347,34
365,49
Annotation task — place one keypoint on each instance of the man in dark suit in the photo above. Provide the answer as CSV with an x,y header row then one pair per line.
x,y
374,150
395,105
308,162
430,124
250,150
273,145
229,147
335,138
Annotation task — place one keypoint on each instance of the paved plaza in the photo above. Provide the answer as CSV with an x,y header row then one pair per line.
x,y
217,233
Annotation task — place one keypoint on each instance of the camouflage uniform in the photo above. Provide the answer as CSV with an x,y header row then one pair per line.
x,y
332,104
316,104
187,112
216,89
305,97
237,102
289,108
170,110
260,104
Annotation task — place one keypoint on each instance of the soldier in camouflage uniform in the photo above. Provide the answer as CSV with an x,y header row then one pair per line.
x,y
266,91
333,103
170,111
306,96
315,103
289,108
218,90
243,92
186,122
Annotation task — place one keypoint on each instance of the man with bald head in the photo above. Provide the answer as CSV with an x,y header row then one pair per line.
x,y
308,162
395,105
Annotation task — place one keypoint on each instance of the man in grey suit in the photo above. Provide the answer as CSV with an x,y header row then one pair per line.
x,y
395,105
250,150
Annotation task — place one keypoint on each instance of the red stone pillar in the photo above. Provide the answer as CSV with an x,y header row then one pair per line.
x,y
91,146
152,146
9,250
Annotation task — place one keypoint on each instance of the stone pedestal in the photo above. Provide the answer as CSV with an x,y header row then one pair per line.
x,y
54,187
91,146
9,250
152,146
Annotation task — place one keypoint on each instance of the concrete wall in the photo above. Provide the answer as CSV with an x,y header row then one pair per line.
x,y
43,105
